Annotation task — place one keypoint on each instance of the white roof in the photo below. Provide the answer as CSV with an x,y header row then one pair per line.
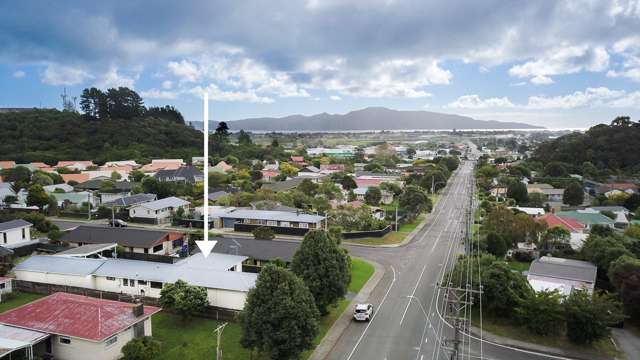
x,y
52,188
164,203
530,210
273,215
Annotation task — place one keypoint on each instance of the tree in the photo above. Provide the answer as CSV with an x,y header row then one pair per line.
x,y
185,299
288,170
308,187
263,233
324,267
167,112
37,196
124,103
555,238
496,245
602,251
537,199
93,103
589,315
115,176
555,169
503,289
573,194
541,312
517,191
624,274
279,316
414,201
373,196
144,348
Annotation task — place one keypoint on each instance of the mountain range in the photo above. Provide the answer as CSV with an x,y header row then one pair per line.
x,y
371,118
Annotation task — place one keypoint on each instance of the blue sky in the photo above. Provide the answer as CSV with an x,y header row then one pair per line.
x,y
551,63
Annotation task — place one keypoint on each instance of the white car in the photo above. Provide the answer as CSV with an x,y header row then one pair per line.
x,y
363,312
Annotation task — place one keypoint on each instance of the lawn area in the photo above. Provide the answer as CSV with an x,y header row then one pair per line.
x,y
392,237
519,266
17,299
194,339
503,328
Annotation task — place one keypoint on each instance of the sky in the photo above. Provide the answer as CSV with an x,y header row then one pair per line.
x,y
557,64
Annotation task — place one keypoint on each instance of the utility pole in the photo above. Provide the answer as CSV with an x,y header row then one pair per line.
x,y
89,205
396,217
218,332
456,301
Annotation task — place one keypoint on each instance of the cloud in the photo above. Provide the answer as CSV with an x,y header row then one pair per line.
x,y
56,75
158,94
167,84
215,93
335,98
561,61
114,79
19,74
475,102
629,49
591,97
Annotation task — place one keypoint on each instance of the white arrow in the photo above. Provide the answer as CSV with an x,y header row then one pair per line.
x,y
205,245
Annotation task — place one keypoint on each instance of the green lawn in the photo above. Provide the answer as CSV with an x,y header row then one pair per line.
x,y
519,266
17,299
503,328
392,237
194,339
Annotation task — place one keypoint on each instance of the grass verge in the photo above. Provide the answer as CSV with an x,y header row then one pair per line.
x,y
194,339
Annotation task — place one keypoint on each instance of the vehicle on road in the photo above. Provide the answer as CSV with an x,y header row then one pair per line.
x,y
363,312
118,223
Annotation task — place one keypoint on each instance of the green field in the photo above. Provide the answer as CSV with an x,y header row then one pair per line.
x,y
194,339
16,299
392,237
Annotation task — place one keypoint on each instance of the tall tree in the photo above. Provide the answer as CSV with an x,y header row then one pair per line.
x,y
93,103
624,274
37,196
414,201
324,267
518,191
496,245
589,315
279,316
373,196
541,312
503,289
573,194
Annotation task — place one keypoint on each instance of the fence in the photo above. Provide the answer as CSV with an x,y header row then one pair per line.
x,y
365,234
276,229
212,312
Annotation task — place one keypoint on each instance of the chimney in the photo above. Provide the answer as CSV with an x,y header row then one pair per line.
x,y
138,309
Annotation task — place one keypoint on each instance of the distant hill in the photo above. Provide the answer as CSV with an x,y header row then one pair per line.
x,y
52,135
372,118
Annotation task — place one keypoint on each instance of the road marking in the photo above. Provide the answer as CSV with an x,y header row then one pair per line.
x,y
384,298
413,293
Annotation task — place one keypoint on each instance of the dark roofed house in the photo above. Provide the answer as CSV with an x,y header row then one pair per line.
x,y
15,231
157,242
79,326
131,200
283,185
258,252
189,174
565,275
96,184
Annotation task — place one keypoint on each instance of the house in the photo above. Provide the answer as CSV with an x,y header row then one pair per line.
x,y
279,221
158,211
564,275
189,174
331,168
76,178
271,205
222,167
269,175
258,252
197,160
132,163
498,192
309,170
387,197
587,218
162,164
617,188
298,160
107,172
15,231
7,165
576,230
76,327
74,198
159,242
75,165
531,211
132,200
216,195
553,195
227,286
286,185
58,187
6,286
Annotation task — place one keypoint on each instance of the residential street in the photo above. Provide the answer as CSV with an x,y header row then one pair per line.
x,y
399,329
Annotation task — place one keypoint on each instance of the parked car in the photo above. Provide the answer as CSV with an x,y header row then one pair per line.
x,y
363,312
117,223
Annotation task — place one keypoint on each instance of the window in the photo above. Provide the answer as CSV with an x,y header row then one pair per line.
x,y
157,248
4,236
110,278
142,282
304,225
146,250
155,285
285,224
65,340
132,282
112,340
24,233
2,286
272,223
125,282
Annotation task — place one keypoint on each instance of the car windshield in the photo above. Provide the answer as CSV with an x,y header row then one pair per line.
x,y
361,310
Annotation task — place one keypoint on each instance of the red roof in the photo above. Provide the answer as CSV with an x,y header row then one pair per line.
x,y
297,158
569,224
75,315
368,182
79,178
7,164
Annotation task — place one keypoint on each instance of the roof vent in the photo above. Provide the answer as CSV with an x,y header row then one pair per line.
x,y
138,309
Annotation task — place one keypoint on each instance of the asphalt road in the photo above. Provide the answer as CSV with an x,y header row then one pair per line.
x,y
399,328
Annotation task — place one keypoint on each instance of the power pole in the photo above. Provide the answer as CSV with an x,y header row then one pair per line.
x,y
218,332
456,301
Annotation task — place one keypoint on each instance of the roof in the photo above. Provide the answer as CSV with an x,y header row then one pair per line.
x,y
140,238
14,224
217,195
131,200
569,224
60,265
561,268
86,250
13,338
273,215
257,249
363,183
171,201
52,188
283,185
72,197
614,209
95,184
586,218
7,164
189,173
529,210
79,178
76,315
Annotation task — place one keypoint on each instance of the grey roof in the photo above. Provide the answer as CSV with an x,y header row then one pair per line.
x,y
52,188
131,200
257,249
188,173
86,250
217,195
564,269
283,185
272,215
95,184
272,205
14,224
171,201
60,265
195,270
140,238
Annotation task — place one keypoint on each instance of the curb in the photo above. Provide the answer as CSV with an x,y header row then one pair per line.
x,y
547,350
335,331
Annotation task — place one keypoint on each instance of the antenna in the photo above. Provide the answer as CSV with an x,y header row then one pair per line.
x,y
68,104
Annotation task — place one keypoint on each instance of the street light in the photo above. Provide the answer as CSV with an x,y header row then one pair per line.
x,y
218,332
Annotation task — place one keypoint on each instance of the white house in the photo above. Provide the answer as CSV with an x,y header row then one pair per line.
x,y
15,231
564,275
76,327
159,211
221,274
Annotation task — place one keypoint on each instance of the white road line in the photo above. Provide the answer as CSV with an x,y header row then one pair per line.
x,y
374,314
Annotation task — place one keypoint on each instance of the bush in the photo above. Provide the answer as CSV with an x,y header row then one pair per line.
x,y
185,299
588,316
144,348
263,233
541,312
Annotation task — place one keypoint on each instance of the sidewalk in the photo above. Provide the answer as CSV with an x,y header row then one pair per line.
x,y
569,354
333,335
